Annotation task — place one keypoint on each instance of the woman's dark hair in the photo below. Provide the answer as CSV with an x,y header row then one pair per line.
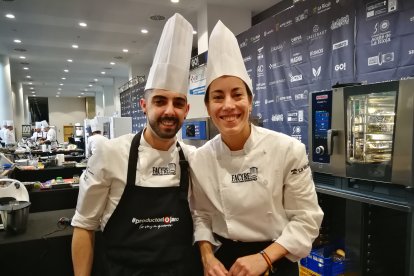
x,y
249,93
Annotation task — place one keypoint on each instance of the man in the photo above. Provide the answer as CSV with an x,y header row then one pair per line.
x,y
95,139
140,202
37,133
9,137
50,136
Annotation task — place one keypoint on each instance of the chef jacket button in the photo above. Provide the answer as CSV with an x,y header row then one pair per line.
x,y
265,182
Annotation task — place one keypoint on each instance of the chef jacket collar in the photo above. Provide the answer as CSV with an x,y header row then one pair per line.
x,y
248,146
144,143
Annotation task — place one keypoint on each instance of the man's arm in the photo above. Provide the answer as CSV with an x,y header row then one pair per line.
x,y
82,251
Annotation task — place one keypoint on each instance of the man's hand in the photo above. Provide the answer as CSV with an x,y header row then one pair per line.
x,y
252,265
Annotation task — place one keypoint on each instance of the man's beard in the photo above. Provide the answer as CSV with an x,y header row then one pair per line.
x,y
164,134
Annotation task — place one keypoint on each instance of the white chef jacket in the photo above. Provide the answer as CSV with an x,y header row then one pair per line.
x,y
261,193
93,142
36,135
51,136
103,182
9,137
2,133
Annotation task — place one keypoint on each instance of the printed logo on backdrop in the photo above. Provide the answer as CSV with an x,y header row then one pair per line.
x,y
285,24
279,47
295,116
296,58
381,33
244,43
260,53
260,70
340,67
277,118
297,132
296,40
170,169
295,78
339,22
155,223
302,96
277,82
340,44
324,7
378,8
279,99
251,175
302,16
255,39
316,72
268,32
380,59
317,33
269,101
316,53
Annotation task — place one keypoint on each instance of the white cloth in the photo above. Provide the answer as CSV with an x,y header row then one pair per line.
x,y
93,143
9,137
170,67
224,56
255,194
103,182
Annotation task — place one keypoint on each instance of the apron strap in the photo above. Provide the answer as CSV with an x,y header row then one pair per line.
x,y
133,159
184,179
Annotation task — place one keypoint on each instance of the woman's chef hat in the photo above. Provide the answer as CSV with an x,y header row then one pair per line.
x,y
38,124
224,56
171,65
10,123
44,124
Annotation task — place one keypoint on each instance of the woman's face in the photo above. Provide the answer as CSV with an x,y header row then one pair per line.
x,y
229,106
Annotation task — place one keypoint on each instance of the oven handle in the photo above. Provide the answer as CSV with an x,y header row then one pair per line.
x,y
331,134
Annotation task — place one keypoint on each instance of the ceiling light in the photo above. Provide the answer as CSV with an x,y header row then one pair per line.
x,y
61,84
83,24
66,70
28,77
82,93
59,89
125,50
57,96
75,46
90,85
79,96
30,83
144,31
33,92
34,95
11,16
194,32
17,41
31,88
175,1
25,68
22,57
112,63
103,72
95,79
69,60
63,78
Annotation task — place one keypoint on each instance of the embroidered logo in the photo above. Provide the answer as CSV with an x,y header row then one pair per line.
x,y
170,169
245,177
300,170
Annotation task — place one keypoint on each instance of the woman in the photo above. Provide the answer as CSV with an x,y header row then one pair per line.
x,y
254,200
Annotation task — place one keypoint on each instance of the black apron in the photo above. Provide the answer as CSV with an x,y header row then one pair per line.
x,y
230,251
151,229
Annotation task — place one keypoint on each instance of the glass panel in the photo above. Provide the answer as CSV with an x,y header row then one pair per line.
x,y
370,127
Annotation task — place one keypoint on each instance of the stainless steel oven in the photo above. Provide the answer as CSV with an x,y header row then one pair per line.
x,y
364,132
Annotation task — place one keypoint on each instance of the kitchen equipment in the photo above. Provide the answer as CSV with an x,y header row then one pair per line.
x,y
364,132
14,205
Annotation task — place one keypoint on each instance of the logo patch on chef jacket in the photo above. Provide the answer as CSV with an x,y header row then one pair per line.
x,y
300,170
170,169
251,175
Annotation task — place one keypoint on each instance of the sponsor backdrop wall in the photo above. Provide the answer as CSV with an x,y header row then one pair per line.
x,y
310,47
313,45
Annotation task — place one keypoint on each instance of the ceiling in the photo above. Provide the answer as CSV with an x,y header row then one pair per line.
x,y
48,29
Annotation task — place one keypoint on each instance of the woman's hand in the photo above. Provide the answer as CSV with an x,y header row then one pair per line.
x,y
213,267
252,265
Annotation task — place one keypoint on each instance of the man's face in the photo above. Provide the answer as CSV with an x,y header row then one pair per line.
x,y
166,111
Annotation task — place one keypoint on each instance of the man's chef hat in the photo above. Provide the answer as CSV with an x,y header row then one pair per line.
x,y
44,124
94,125
10,123
38,124
224,56
171,65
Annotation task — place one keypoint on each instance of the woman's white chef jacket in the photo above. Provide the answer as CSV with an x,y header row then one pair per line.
x,y
264,192
103,182
93,142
